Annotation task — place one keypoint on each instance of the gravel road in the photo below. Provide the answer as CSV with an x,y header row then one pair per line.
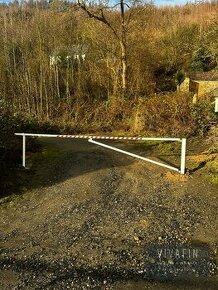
x,y
96,219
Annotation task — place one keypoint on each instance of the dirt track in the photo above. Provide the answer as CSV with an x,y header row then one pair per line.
x,y
91,217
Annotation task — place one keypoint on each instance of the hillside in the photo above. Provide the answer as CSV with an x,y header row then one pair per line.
x,y
83,217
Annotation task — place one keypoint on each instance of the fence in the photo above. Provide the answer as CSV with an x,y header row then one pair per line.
x,y
90,139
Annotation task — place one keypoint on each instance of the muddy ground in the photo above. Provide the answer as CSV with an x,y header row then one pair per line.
x,y
90,218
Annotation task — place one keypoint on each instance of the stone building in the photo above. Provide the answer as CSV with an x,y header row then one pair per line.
x,y
200,84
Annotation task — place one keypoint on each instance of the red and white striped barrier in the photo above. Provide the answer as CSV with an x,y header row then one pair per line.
x,y
98,137
115,138
90,139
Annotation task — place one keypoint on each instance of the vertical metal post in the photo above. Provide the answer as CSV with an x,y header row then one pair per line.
x,y
24,151
183,153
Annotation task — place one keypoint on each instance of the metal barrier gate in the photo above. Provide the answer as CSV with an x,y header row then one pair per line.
x,y
90,139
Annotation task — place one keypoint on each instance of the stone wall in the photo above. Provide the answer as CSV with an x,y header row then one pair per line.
x,y
206,87
184,87
197,87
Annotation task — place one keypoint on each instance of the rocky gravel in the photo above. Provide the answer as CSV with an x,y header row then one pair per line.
x,y
94,219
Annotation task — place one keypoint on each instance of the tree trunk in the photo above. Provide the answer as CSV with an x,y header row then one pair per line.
x,y
123,50
121,38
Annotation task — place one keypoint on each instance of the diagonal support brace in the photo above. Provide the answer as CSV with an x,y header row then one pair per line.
x,y
133,155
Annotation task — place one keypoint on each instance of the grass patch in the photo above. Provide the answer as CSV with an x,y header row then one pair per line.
x,y
214,179
169,148
213,149
47,153
41,165
212,167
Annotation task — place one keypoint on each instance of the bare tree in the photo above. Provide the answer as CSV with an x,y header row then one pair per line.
x,y
99,13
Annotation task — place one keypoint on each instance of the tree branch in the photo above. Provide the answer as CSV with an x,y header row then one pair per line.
x,y
98,17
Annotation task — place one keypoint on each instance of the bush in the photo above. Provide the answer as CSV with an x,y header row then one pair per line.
x,y
10,146
173,114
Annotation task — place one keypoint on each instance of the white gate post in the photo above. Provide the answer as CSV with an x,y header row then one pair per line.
x,y
183,153
181,170
24,151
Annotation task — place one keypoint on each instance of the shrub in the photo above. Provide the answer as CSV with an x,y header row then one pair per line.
x,y
174,114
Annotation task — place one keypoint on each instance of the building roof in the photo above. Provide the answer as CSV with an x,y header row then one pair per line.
x,y
205,76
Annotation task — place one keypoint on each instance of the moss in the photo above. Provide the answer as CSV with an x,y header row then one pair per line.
x,y
214,179
212,166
